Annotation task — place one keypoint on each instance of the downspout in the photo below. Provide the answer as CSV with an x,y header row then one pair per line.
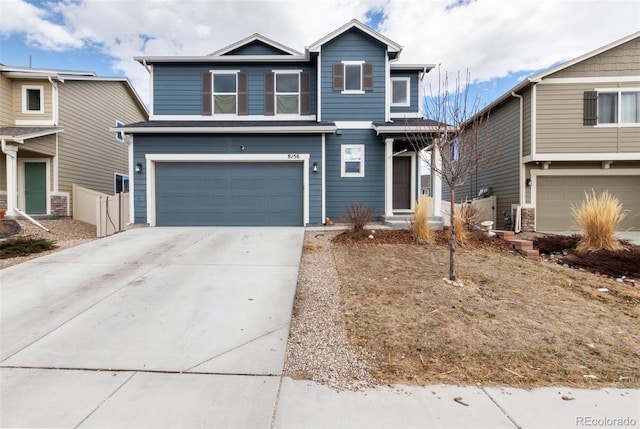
x,y
518,222
54,101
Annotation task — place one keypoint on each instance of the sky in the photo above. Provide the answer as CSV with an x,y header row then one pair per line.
x,y
499,42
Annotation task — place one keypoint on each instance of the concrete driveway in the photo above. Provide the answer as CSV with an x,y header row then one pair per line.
x,y
192,323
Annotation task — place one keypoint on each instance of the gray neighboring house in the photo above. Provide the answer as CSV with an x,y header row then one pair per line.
x,y
567,130
55,131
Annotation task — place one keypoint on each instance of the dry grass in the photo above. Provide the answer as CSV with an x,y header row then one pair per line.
x,y
515,322
462,233
598,216
420,227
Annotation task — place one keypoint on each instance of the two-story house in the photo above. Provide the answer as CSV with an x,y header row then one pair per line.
x,y
258,133
566,131
55,131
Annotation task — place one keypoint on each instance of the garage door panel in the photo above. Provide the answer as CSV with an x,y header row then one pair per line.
x,y
556,195
211,193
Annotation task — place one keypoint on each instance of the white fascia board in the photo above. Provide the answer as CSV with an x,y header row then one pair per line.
x,y
227,130
402,115
232,118
595,80
354,125
412,67
631,156
224,59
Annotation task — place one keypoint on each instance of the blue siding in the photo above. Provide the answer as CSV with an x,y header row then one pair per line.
x,y
370,106
413,93
229,144
256,48
176,88
367,190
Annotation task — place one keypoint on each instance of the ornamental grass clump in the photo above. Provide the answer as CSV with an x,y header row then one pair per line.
x,y
462,233
420,226
598,216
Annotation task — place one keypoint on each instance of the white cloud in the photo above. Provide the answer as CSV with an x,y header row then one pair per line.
x,y
491,38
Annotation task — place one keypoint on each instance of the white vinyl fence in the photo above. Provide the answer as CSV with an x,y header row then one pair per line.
x,y
109,213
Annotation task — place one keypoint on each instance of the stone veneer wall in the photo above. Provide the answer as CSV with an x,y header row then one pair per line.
x,y
3,201
528,219
59,205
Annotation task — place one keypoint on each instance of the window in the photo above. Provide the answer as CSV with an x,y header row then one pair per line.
x,y
352,160
32,99
612,107
121,183
119,135
353,77
225,92
400,91
287,93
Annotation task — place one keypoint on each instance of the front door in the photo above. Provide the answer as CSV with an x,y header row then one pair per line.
x,y
402,183
35,187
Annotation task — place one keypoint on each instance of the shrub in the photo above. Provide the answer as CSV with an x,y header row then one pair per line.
x,y
24,247
420,227
462,233
359,217
598,216
556,243
469,215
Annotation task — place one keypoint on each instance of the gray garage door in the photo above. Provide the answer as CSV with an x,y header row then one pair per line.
x,y
555,195
208,193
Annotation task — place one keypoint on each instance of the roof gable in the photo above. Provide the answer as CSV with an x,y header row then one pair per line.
x,y
256,44
392,47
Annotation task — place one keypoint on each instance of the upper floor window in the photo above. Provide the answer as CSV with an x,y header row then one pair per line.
x,y
400,91
620,106
287,94
225,94
119,135
32,99
353,77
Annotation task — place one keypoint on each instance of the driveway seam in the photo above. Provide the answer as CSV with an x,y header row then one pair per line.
x,y
105,400
506,414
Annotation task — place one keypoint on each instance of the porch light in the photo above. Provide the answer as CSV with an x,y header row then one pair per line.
x,y
138,168
315,167
528,182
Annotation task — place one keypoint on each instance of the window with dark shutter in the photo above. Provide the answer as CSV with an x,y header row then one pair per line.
x,y
305,93
206,94
269,88
338,77
367,77
590,114
243,94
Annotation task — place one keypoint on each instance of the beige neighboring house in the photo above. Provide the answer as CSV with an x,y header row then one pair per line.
x,y
54,127
567,130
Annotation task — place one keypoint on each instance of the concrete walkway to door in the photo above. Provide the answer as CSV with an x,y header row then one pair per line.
x,y
151,327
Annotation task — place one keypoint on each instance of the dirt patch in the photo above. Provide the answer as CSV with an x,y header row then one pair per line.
x,y
515,322
64,233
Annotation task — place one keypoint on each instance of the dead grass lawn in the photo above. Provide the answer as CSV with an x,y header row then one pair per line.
x,y
515,322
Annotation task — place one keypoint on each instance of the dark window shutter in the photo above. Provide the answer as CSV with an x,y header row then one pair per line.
x,y
305,93
367,77
207,82
590,116
338,77
243,94
269,94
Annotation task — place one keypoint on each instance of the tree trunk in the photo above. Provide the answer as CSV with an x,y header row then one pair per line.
x,y
452,236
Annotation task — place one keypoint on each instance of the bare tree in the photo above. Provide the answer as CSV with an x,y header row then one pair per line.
x,y
457,135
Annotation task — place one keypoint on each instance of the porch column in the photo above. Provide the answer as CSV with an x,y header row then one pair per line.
x,y
11,153
436,181
388,177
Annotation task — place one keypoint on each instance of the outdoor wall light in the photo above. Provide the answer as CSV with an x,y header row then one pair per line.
x,y
315,167
528,182
138,168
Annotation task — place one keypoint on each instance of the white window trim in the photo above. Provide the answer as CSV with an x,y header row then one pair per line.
x,y
119,135
408,102
352,63
213,93
275,92
618,91
343,172
115,178
25,106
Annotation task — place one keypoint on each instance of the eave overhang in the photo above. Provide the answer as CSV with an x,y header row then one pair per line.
x,y
20,134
